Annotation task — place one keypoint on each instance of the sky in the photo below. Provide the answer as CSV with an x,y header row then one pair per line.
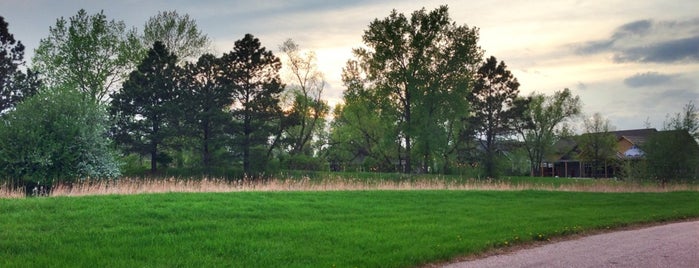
x,y
632,61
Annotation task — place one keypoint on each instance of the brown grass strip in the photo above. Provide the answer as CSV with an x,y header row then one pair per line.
x,y
128,186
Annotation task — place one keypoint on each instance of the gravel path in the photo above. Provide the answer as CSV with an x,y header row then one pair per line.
x,y
671,245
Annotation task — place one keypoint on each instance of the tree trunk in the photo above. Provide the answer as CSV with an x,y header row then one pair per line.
x,y
154,158
206,157
489,157
246,145
425,165
154,147
408,150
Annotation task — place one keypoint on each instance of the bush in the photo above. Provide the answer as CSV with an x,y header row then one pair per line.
x,y
634,170
56,135
134,165
304,162
673,155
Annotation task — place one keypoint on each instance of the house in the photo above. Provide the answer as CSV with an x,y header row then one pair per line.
x,y
565,159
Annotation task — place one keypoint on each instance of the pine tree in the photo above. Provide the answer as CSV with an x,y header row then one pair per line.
x,y
145,110
15,84
253,71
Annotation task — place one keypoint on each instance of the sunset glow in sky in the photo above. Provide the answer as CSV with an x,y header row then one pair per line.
x,y
629,60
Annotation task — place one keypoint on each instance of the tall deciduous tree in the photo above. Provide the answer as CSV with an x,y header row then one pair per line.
x,y
146,107
597,145
253,72
179,33
496,107
88,52
418,64
15,84
206,98
687,120
306,86
541,121
361,133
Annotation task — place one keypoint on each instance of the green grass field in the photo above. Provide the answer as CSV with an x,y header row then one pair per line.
x,y
307,229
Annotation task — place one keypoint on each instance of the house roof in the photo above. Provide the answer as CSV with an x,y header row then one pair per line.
x,y
563,149
567,148
635,136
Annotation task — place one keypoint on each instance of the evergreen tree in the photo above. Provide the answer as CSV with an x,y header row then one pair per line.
x,y
146,110
253,73
495,107
206,98
15,84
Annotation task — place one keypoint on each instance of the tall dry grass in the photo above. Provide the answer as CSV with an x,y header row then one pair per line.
x,y
7,191
127,186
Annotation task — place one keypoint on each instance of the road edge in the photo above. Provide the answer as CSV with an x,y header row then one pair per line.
x,y
555,239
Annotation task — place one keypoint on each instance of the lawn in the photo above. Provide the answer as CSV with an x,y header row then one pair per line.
x,y
307,229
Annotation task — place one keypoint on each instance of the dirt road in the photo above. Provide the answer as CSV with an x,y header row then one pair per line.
x,y
671,245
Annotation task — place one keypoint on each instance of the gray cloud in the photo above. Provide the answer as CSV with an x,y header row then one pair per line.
x,y
673,92
649,41
679,96
640,27
686,49
648,79
582,86
594,47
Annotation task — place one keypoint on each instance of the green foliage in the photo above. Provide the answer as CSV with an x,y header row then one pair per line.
x,y
362,136
672,155
179,34
253,73
15,84
146,110
541,122
88,52
56,135
421,70
308,229
515,162
133,165
304,162
496,109
206,98
597,145
634,170
687,120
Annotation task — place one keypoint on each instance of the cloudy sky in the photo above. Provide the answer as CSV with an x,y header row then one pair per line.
x,y
633,61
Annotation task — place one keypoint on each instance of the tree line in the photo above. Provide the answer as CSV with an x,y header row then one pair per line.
x,y
158,95
100,100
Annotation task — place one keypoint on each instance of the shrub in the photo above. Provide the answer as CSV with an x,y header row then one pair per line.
x,y
56,135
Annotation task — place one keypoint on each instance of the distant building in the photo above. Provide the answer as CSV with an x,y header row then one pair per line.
x,y
565,161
